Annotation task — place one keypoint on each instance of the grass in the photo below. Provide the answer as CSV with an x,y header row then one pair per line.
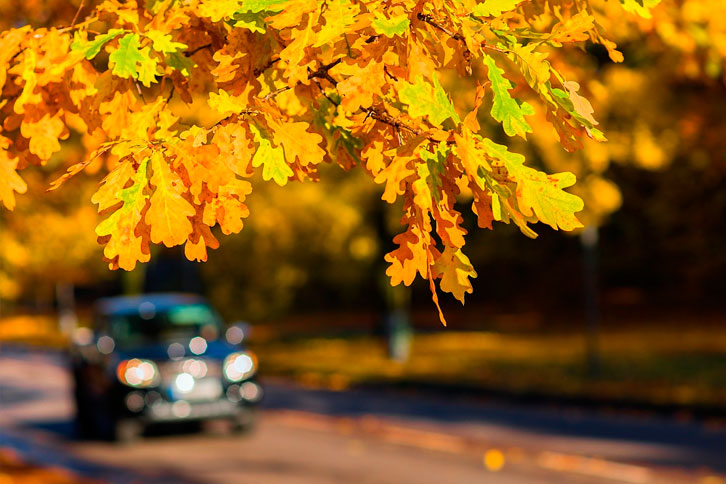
x,y
681,367
33,330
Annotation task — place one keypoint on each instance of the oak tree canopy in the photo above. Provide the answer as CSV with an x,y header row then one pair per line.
x,y
294,84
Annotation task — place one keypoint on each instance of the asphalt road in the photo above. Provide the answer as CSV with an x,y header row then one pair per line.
x,y
317,436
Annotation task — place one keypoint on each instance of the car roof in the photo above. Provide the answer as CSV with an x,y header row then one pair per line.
x,y
130,304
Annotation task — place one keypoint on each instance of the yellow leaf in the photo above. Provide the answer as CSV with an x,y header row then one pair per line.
x,y
292,14
339,15
28,96
43,135
298,142
361,85
125,246
393,175
169,211
10,181
574,29
455,270
225,104
294,57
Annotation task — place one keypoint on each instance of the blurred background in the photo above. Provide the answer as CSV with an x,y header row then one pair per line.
x,y
598,356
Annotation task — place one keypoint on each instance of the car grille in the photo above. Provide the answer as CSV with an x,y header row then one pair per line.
x,y
191,379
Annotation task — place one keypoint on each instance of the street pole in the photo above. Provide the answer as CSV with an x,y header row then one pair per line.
x,y
589,239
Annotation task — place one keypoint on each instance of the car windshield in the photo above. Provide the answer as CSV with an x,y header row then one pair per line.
x,y
152,325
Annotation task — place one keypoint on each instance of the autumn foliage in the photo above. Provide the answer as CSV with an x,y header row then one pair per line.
x,y
296,84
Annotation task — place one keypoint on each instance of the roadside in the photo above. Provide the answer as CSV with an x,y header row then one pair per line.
x,y
673,370
668,369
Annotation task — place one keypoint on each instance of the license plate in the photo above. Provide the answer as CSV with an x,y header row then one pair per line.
x,y
204,389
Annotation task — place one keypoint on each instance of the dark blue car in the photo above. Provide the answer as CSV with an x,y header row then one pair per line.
x,y
160,358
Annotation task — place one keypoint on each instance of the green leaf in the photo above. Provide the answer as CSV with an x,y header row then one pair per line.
x,y
425,100
133,198
539,194
435,164
256,6
91,48
124,59
272,160
494,8
390,26
181,63
254,22
443,107
506,109
163,43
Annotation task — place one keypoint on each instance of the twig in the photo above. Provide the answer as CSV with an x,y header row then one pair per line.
x,y
274,93
320,73
454,35
75,17
262,69
171,93
192,52
384,117
325,94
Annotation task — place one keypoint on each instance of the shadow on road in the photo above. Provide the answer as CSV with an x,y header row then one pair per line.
x,y
669,442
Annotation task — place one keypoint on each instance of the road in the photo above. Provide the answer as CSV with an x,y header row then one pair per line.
x,y
318,436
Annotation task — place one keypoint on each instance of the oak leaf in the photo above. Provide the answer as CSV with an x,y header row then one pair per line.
x,y
10,181
506,109
125,247
423,99
125,59
168,210
390,26
298,143
409,259
455,271
44,134
271,159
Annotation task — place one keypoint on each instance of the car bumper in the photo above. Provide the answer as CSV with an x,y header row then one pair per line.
x,y
153,408
164,411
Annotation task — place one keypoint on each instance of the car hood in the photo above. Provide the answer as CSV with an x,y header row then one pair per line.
x,y
216,350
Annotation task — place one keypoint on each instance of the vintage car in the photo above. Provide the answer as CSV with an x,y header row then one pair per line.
x,y
160,358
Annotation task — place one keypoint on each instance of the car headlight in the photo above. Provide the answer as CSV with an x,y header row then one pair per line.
x,y
239,366
138,373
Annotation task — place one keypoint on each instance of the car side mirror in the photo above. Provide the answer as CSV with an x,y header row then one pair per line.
x,y
238,332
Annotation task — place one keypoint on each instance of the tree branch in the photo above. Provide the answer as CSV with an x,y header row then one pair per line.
x,y
320,73
429,19
384,117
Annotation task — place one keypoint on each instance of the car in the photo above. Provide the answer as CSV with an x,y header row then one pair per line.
x,y
160,358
